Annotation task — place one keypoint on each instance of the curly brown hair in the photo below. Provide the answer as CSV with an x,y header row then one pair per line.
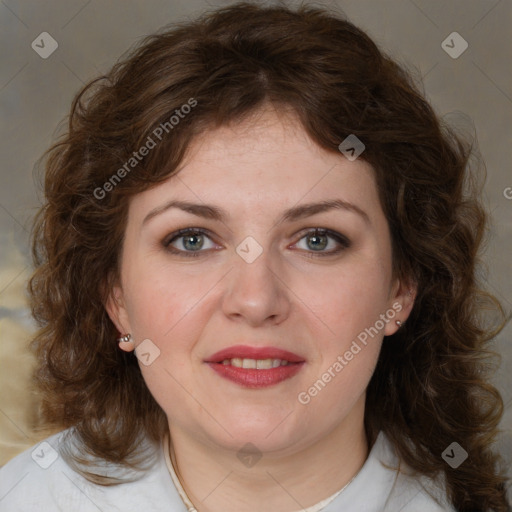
x,y
431,384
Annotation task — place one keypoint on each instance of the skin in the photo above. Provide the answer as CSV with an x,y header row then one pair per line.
x,y
289,297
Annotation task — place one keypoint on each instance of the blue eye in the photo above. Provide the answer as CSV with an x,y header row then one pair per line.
x,y
192,242
317,240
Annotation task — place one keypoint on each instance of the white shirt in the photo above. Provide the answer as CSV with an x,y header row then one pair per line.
x,y
39,479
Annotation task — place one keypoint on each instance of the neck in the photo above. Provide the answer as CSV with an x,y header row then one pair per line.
x,y
217,481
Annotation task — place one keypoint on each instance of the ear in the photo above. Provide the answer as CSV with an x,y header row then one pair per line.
x,y
402,297
116,309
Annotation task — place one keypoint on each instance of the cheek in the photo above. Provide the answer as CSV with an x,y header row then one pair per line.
x,y
345,301
345,369
162,301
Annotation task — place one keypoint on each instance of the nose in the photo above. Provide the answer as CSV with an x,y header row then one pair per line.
x,y
257,293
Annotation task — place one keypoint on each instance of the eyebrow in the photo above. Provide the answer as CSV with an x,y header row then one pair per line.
x,y
292,214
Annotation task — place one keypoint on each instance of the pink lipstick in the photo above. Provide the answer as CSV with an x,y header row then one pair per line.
x,y
255,367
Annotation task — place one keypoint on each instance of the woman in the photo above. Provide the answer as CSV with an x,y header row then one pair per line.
x,y
265,213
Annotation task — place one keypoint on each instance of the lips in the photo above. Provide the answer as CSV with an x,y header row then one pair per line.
x,y
255,367
247,352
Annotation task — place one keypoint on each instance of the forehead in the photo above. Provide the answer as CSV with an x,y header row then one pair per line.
x,y
266,138
262,162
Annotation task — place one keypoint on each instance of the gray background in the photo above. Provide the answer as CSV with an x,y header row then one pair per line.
x,y
473,91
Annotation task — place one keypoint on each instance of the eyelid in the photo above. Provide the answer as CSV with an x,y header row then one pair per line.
x,y
342,241
184,231
323,231
180,233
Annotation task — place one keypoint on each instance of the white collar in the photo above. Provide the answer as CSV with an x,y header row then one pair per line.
x,y
190,507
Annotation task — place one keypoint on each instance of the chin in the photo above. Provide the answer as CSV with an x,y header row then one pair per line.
x,y
268,435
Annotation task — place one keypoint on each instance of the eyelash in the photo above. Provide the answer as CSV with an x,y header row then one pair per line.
x,y
341,239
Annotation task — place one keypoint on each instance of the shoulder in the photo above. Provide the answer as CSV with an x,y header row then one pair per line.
x,y
412,492
36,478
41,479
385,484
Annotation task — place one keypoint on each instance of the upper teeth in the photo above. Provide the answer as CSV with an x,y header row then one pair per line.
x,y
259,364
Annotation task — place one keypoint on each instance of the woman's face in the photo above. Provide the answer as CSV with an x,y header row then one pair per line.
x,y
258,276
